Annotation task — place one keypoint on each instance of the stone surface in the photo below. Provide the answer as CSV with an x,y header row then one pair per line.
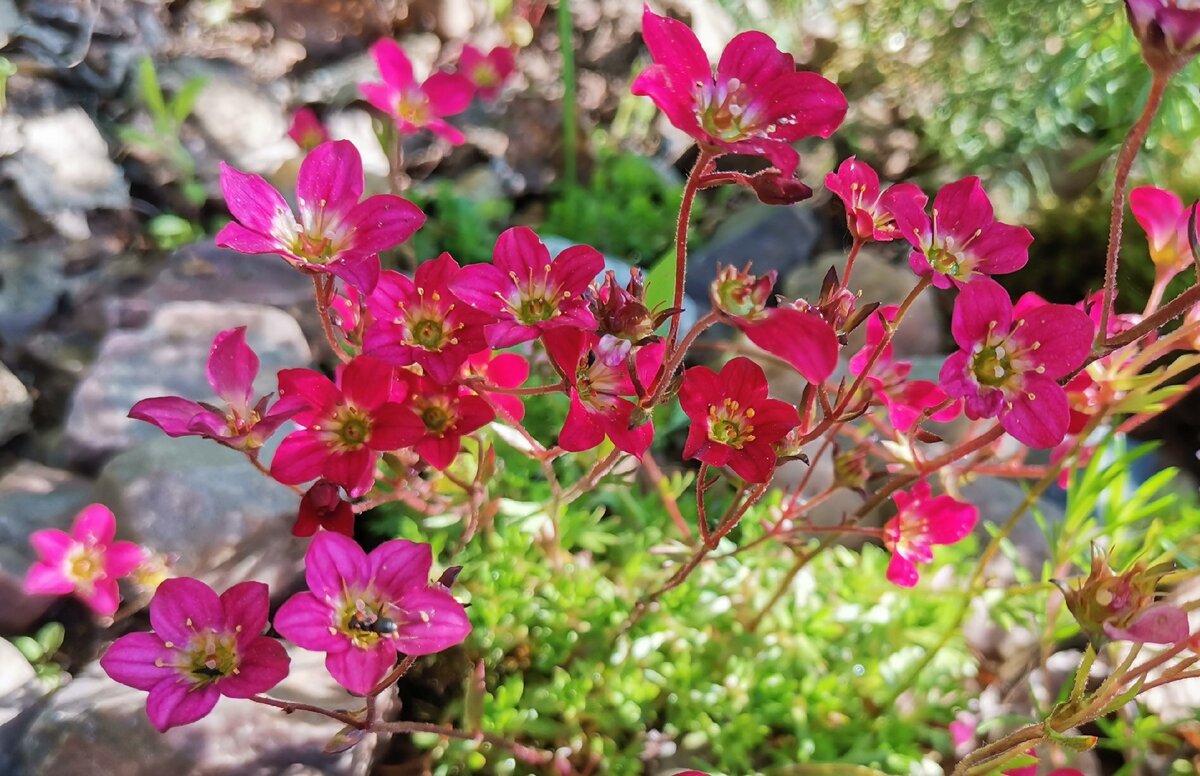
x,y
167,358
94,725
31,282
32,497
247,127
15,405
19,694
207,507
63,170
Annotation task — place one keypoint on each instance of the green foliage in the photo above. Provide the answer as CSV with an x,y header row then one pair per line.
x,y
40,650
462,225
170,231
627,209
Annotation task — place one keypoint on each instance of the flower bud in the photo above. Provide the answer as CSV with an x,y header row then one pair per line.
x,y
850,468
621,314
1123,607
740,294
1168,30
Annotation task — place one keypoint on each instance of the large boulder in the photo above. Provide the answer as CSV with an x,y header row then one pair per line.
x,y
207,506
15,405
20,691
167,358
32,497
96,726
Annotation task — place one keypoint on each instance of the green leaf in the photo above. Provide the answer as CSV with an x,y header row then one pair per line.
x,y
50,637
185,99
151,91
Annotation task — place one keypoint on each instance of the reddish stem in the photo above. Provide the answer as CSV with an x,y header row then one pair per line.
x,y
681,236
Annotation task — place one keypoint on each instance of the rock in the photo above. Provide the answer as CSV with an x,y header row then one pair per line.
x,y
31,281
32,497
247,127
19,694
167,358
204,504
774,238
15,405
358,127
94,725
881,280
63,170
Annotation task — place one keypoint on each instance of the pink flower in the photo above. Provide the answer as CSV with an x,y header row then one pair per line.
x,y
487,72
347,425
322,506
446,413
1166,220
921,523
362,609
734,424
1169,31
526,291
421,321
868,214
756,103
1008,368
307,130
503,370
963,240
203,646
416,106
85,562
800,337
335,234
597,408
906,400
244,424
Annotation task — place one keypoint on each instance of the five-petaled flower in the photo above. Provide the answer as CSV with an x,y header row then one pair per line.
x,y
1008,366
868,214
203,646
1166,221
244,424
85,562
487,72
335,233
755,103
526,291
446,413
416,106
346,426
922,521
421,321
362,609
734,424
963,240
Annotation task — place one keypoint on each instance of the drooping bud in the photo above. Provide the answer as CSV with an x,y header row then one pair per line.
x,y
1168,30
740,294
322,506
850,469
835,305
1124,607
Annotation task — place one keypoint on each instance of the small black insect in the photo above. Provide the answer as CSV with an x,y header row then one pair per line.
x,y
209,671
365,620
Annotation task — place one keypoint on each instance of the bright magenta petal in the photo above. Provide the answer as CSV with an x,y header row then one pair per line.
x,y
139,660
174,702
182,606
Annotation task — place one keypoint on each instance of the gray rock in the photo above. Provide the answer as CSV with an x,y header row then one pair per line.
x,y
357,126
32,497
19,694
95,725
207,507
247,127
15,405
779,239
63,170
167,358
31,282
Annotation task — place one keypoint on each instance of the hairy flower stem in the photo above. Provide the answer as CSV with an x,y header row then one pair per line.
x,y
1125,159
854,251
703,160
672,363
371,712
323,291
1165,314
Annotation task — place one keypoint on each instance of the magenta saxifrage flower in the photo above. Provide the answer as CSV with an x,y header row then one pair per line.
x,y
203,646
421,321
306,130
446,413
244,424
1008,367
527,292
962,240
335,234
1165,220
487,72
921,522
800,337
346,426
362,609
755,102
734,424
868,213
85,562
1169,31
416,106
597,391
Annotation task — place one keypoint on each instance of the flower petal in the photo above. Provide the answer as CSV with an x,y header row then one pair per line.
x,y
358,670
181,607
1039,414
981,306
245,606
334,564
95,524
174,702
232,367
398,566
308,622
263,664
139,660
432,621
256,204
